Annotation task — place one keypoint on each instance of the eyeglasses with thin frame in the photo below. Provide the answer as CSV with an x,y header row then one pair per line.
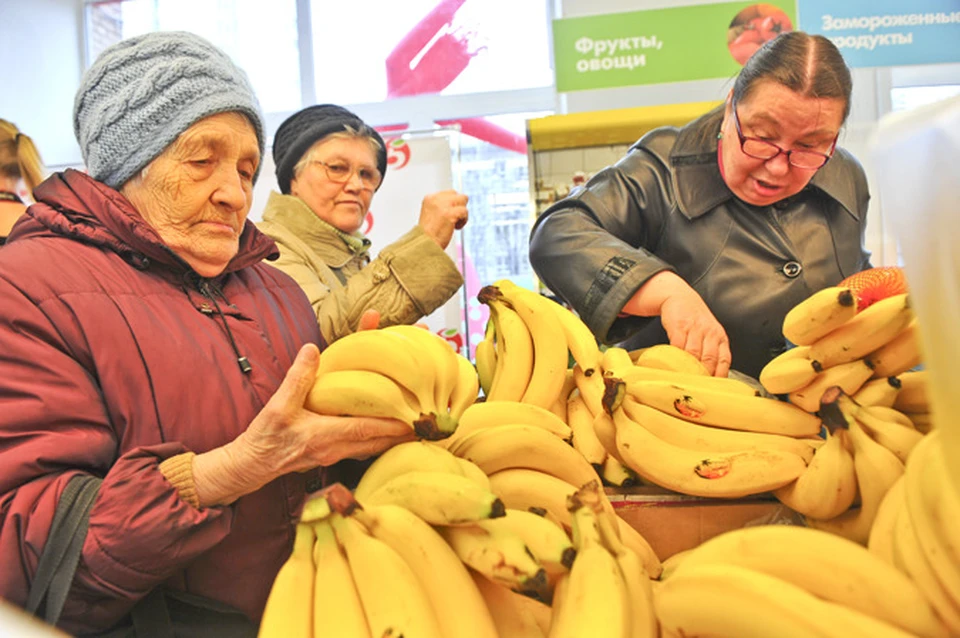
x,y
339,172
763,150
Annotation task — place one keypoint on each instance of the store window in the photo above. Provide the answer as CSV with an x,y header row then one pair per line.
x,y
239,27
425,47
910,97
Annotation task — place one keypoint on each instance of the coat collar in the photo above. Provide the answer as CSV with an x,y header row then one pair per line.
x,y
696,174
293,213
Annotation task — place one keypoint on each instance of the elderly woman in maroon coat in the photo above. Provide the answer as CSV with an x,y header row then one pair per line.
x,y
144,341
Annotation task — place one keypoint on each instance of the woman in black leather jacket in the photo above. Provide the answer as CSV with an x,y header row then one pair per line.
x,y
705,236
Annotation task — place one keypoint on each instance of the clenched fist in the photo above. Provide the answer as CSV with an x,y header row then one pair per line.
x,y
441,213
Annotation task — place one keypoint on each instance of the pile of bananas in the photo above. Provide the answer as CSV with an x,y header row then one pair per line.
x,y
401,372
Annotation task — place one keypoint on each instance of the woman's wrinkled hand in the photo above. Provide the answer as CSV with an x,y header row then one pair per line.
x,y
442,213
285,437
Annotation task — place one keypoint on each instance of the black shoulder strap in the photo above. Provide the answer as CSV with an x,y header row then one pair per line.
x,y
61,553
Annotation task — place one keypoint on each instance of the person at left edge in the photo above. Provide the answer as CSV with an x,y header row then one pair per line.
x,y
144,341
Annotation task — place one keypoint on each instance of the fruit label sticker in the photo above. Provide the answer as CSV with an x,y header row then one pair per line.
x,y
887,32
664,45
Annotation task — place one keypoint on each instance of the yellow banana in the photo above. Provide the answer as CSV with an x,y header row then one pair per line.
x,y
499,554
403,458
337,610
849,377
617,474
530,490
460,610
526,446
514,351
433,351
819,314
878,392
922,421
466,390
722,384
898,439
438,497
667,357
595,601
877,469
580,340
606,432
900,354
635,541
549,343
673,562
725,410
380,573
787,373
828,487
889,414
828,566
722,475
938,538
864,333
491,414
559,406
585,439
547,541
692,436
362,393
510,616
289,609
913,392
615,359
474,473
384,352
591,386
737,602
541,611
486,358
880,541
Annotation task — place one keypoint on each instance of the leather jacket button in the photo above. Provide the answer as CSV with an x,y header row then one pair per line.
x,y
792,268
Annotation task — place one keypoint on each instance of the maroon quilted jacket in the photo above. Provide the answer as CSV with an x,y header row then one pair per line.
x,y
114,357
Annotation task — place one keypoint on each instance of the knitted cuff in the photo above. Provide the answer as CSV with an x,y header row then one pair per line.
x,y
179,471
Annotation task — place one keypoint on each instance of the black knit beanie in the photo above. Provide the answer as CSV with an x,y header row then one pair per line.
x,y
304,128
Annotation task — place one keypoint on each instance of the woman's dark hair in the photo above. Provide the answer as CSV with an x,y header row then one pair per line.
x,y
810,65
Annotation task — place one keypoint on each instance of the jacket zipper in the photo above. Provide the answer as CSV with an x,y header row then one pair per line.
x,y
211,291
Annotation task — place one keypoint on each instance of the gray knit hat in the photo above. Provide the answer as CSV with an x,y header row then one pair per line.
x,y
142,93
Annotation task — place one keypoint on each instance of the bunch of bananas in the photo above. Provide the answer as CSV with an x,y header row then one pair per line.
x,y
524,354
401,372
863,352
782,580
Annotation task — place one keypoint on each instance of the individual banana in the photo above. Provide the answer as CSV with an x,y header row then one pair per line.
x,y
725,410
788,372
434,351
547,541
923,497
460,610
486,358
606,432
877,468
439,498
736,602
819,314
549,343
402,458
849,377
559,406
881,391
636,543
514,349
667,357
384,352
585,439
591,386
530,490
615,473
499,554
721,384
889,414
380,573
692,436
510,616
721,475
337,610
466,390
524,446
913,395
289,609
580,340
494,413
899,354
880,541
595,601
474,473
828,487
362,393
828,566
615,359
866,332
892,435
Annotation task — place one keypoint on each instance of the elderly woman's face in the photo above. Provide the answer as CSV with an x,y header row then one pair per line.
x,y
198,192
780,116
342,205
